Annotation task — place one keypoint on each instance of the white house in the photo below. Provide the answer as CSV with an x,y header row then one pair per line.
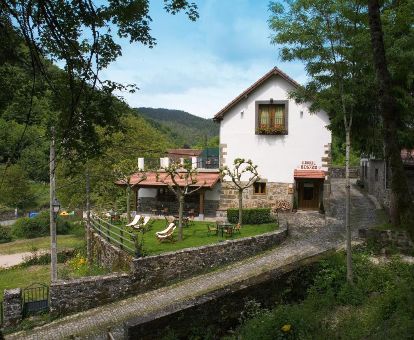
x,y
290,145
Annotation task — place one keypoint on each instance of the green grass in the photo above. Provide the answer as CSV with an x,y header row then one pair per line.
x,y
23,276
27,245
193,236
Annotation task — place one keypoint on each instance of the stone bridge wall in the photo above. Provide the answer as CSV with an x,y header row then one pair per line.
x,y
152,272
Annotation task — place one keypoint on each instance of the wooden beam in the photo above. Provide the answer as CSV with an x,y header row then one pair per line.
x,y
201,207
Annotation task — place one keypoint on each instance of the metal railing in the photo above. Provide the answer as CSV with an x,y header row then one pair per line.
x,y
114,234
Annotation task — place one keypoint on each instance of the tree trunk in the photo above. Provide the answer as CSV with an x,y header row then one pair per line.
x,y
349,274
400,194
180,217
240,206
128,196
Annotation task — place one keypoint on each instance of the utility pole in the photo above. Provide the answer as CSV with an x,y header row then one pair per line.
x,y
53,247
88,219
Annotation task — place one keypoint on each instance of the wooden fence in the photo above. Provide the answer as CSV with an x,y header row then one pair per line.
x,y
115,235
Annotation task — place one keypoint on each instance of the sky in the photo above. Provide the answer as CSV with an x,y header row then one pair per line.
x,y
201,66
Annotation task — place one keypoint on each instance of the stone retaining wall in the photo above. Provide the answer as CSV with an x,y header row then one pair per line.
x,y
81,294
107,255
159,270
339,172
399,239
152,272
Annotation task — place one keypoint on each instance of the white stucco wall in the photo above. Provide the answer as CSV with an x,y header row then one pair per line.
x,y
276,155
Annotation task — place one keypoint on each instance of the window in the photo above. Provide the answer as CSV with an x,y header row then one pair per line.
x,y
376,175
271,118
259,188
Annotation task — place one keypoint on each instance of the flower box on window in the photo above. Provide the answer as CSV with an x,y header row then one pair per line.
x,y
274,130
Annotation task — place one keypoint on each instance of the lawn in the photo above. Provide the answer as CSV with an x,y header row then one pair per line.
x,y
28,245
193,236
23,276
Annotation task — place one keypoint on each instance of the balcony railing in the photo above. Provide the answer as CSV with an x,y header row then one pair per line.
x,y
149,164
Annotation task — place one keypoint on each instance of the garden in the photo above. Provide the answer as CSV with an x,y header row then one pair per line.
x,y
196,233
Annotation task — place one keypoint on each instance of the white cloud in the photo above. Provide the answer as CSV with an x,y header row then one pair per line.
x,y
200,67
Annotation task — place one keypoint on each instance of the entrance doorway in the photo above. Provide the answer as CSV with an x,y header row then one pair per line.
x,y
308,194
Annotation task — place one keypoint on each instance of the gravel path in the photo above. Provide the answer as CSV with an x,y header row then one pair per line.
x,y
7,261
310,232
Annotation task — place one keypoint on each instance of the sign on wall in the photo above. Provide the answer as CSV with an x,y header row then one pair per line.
x,y
308,165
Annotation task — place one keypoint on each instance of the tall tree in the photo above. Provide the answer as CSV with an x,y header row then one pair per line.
x,y
401,200
329,38
243,175
82,36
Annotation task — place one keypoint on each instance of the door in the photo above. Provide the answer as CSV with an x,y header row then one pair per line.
x,y
308,195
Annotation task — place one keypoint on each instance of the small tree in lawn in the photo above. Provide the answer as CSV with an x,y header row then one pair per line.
x,y
124,172
181,179
241,167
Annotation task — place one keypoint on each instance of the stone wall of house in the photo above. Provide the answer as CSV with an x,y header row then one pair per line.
x,y
275,194
107,255
148,204
375,181
339,172
399,239
12,307
151,272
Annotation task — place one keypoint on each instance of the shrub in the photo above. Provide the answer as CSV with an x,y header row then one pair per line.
x,y
5,235
38,226
250,216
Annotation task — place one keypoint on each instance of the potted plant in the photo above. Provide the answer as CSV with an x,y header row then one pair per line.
x,y
295,204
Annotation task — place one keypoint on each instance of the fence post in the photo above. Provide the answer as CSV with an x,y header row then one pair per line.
x,y
108,228
122,238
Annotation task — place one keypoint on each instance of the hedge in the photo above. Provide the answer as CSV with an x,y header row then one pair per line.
x,y
250,216
38,226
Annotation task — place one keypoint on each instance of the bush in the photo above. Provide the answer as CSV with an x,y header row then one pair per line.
x,y
250,216
38,226
5,235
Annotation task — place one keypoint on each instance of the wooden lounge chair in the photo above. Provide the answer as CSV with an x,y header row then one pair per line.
x,y
166,234
142,225
135,221
212,229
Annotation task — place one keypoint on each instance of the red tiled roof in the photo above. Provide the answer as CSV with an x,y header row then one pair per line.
x,y
273,72
309,174
204,179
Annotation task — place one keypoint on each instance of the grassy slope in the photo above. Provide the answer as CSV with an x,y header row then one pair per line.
x,y
27,245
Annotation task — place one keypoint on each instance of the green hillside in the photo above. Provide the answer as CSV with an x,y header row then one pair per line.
x,y
182,128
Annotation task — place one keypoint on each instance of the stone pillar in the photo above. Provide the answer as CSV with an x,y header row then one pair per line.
x,y
12,307
141,163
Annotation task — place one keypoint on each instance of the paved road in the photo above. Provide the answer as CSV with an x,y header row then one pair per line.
x,y
311,234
